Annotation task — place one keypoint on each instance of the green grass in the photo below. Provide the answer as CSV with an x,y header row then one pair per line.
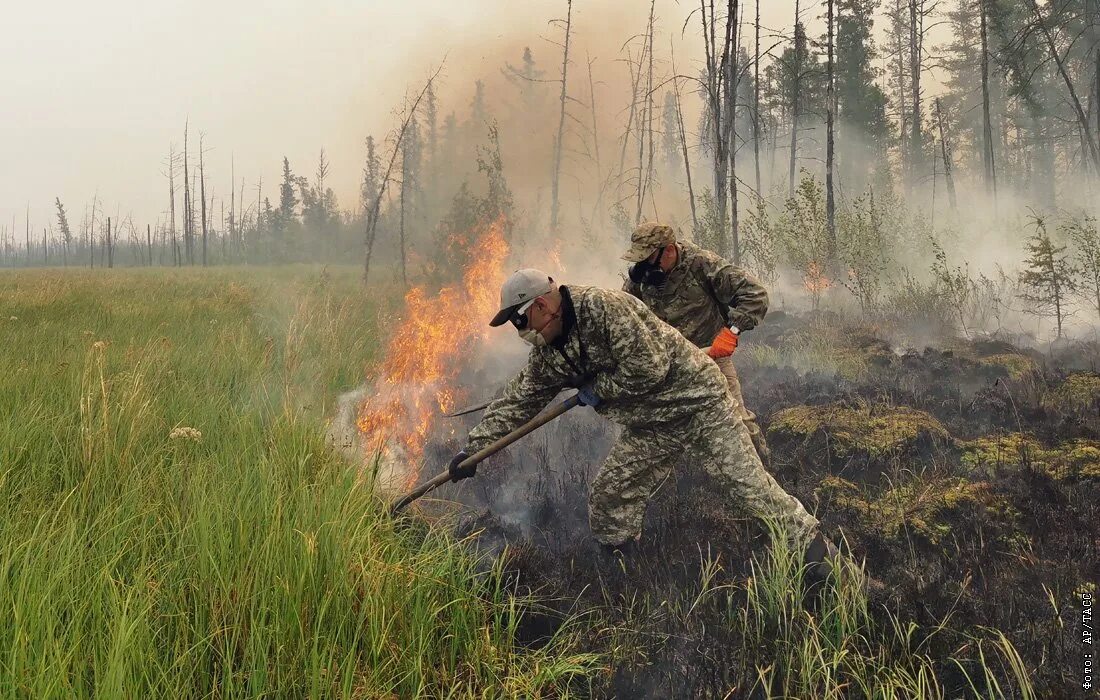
x,y
249,562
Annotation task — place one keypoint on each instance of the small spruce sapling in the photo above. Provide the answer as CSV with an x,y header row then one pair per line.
x,y
1048,277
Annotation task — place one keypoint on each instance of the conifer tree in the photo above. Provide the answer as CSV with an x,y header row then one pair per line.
x,y
1048,277
63,224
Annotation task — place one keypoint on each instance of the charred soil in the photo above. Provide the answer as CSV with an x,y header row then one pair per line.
x,y
965,476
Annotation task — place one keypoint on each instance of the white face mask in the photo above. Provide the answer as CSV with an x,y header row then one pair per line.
x,y
532,337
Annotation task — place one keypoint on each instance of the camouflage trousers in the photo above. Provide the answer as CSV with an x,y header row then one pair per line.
x,y
715,438
729,371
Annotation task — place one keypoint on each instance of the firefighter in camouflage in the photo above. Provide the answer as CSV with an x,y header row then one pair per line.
x,y
668,395
701,295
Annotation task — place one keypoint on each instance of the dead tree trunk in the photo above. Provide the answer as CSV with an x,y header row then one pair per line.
x,y
732,79
715,77
756,107
259,195
401,208
597,208
915,42
233,204
644,184
110,246
202,194
1094,23
988,162
242,251
635,78
945,151
830,145
1090,140
554,205
799,43
91,235
375,206
187,206
149,242
172,198
683,142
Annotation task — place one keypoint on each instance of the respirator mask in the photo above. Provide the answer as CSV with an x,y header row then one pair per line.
x,y
649,271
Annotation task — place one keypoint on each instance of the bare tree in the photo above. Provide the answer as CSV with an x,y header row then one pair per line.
x,y
233,224
718,80
597,208
171,164
558,145
110,246
988,163
1094,28
375,206
187,205
756,107
1090,140
90,231
683,140
643,183
830,143
202,195
241,249
796,102
915,44
945,151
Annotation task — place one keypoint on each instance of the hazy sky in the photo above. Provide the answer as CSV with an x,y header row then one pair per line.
x,y
94,93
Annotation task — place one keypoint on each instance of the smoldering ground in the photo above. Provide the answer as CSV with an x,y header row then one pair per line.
x,y
966,476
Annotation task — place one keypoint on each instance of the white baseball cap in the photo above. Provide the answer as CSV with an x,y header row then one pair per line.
x,y
519,291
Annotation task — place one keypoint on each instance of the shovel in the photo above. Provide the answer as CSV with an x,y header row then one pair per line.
x,y
485,453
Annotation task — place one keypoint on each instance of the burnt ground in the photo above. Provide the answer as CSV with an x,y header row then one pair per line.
x,y
966,476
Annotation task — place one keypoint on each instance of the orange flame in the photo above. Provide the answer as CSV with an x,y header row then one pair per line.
x,y
814,278
417,376
554,255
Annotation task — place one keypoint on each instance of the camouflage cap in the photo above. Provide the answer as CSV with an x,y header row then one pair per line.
x,y
647,238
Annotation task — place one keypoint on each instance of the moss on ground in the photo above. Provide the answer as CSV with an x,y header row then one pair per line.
x,y
826,348
1078,393
925,507
1073,459
1015,365
873,430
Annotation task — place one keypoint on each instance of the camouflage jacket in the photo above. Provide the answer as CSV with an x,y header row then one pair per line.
x,y
703,293
643,370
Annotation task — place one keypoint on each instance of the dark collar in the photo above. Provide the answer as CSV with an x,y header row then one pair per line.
x,y
568,318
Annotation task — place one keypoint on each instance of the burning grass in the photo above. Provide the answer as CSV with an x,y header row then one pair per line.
x,y
416,379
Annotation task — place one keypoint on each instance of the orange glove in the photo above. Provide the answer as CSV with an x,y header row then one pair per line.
x,y
723,344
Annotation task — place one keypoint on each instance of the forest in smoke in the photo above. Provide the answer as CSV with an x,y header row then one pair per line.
x,y
919,148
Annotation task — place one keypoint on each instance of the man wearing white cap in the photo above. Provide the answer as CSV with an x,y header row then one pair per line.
x,y
670,398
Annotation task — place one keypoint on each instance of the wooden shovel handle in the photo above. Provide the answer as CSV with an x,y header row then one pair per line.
x,y
483,454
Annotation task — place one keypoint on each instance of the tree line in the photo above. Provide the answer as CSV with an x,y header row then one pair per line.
x,y
1017,119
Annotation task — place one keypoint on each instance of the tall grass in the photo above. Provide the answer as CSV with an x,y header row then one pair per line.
x,y
829,646
173,525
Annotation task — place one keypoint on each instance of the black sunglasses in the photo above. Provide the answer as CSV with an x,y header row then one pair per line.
x,y
519,320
